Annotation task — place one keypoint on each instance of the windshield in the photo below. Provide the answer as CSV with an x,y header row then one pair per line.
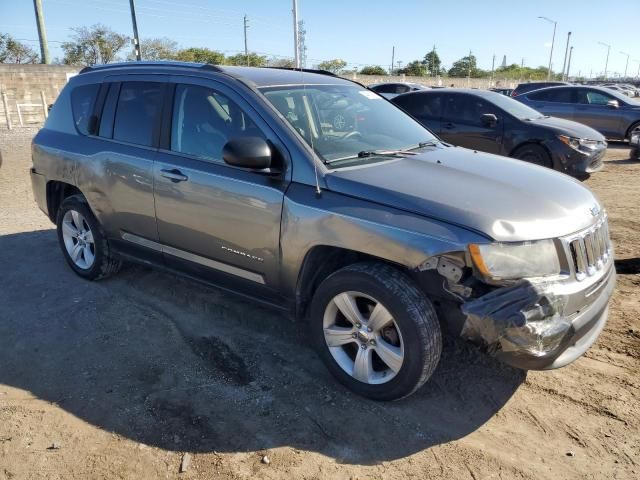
x,y
343,122
514,107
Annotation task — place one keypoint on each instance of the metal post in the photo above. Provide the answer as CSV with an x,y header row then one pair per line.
x,y
469,70
296,44
393,59
493,65
45,110
606,62
246,48
5,104
626,65
566,51
42,33
569,62
136,38
553,41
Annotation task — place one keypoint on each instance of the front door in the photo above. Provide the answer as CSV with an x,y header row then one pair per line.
x,y
593,109
463,126
214,219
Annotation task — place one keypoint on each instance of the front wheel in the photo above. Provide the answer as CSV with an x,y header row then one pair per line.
x,y
535,154
375,331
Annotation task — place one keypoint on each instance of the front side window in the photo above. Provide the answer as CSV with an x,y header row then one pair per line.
x,y
346,122
562,95
82,100
423,106
138,112
593,97
204,120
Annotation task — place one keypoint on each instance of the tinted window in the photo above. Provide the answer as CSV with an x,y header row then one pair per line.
x,y
82,100
386,88
138,112
204,120
428,107
558,95
530,87
401,88
467,109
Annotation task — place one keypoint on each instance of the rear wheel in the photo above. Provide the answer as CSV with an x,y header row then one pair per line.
x,y
82,241
533,153
375,331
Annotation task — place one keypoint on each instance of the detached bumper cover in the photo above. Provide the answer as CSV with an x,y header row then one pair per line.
x,y
526,326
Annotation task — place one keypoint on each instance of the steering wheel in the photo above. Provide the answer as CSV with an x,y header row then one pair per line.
x,y
350,135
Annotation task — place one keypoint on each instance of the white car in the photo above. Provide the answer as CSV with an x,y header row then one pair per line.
x,y
390,90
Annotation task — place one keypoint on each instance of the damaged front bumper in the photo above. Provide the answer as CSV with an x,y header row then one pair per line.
x,y
539,326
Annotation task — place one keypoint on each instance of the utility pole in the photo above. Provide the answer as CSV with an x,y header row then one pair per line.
x,y
553,41
569,62
469,70
606,62
302,44
393,59
296,42
136,38
433,62
493,66
566,51
246,48
626,65
522,68
42,33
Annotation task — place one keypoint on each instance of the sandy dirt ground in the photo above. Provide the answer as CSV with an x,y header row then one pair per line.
x,y
137,375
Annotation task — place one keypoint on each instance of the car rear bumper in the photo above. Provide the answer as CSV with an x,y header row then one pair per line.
x,y
39,187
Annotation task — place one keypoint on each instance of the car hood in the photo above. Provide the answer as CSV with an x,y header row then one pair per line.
x,y
568,127
503,198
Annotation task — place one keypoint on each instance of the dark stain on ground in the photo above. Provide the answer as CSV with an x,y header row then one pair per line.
x,y
219,356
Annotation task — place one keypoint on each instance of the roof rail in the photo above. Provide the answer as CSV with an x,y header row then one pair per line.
x,y
306,70
107,66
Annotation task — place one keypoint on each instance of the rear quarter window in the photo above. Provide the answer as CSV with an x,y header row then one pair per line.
x,y
82,101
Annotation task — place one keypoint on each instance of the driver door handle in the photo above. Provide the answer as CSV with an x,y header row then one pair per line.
x,y
174,175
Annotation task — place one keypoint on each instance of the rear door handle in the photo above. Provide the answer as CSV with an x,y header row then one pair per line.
x,y
174,175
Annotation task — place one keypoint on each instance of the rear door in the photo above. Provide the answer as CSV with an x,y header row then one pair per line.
x,y
462,124
592,109
426,107
215,220
555,102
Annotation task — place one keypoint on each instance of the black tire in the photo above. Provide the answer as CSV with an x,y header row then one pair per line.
x,y
635,126
104,263
412,312
533,153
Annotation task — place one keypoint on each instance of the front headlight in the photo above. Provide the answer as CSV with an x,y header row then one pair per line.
x,y
511,261
581,144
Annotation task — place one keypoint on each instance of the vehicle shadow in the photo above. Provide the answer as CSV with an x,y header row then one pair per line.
x,y
173,364
627,266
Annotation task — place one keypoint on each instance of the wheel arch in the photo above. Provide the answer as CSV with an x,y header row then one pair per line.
x,y
57,192
632,127
539,143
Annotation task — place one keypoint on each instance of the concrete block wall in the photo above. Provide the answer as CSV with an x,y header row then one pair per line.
x,y
25,84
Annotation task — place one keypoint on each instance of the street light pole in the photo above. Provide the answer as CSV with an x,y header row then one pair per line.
x,y
564,63
569,62
296,42
606,62
246,47
136,38
626,65
42,33
553,40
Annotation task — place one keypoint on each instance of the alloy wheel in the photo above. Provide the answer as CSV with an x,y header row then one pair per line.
x,y
78,239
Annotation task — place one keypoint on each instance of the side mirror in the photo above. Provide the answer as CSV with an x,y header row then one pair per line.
x,y
247,152
489,119
613,104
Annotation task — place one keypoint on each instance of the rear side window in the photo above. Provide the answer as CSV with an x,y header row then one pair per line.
x,y
82,101
428,107
562,95
467,109
138,112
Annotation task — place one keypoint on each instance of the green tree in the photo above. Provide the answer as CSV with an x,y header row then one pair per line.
x,y
93,45
514,71
281,62
465,66
414,69
432,63
156,49
333,66
373,70
200,55
14,51
255,60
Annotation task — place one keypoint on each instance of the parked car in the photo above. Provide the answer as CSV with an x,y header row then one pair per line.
x,y
613,114
376,238
503,91
621,89
390,90
531,86
490,122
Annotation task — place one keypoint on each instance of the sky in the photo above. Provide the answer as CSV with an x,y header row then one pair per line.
x,y
362,32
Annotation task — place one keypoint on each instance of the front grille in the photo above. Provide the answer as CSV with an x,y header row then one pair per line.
x,y
590,250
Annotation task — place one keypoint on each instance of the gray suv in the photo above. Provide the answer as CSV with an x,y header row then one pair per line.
x,y
379,237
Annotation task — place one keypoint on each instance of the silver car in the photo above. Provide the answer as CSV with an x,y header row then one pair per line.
x,y
378,237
